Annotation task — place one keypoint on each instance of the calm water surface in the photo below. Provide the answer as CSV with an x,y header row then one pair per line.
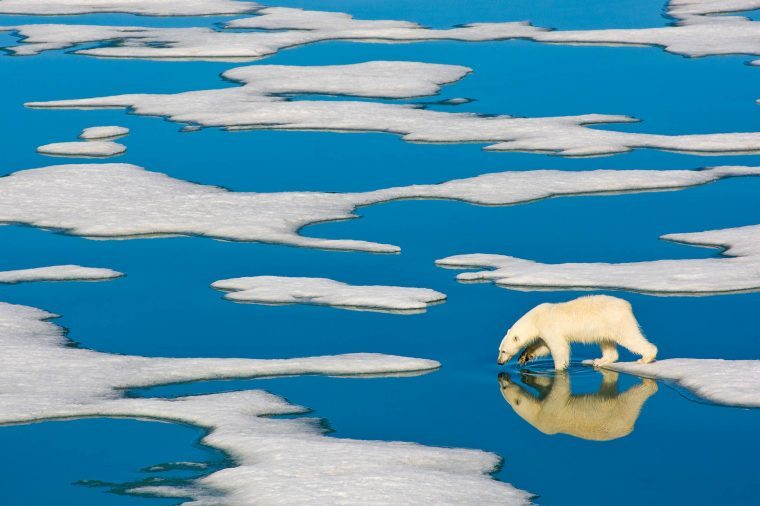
x,y
680,451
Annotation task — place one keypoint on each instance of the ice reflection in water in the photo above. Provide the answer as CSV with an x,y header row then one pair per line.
x,y
553,409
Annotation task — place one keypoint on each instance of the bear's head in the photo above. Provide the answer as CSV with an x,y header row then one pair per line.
x,y
522,333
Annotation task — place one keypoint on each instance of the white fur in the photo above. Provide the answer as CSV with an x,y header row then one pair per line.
x,y
550,328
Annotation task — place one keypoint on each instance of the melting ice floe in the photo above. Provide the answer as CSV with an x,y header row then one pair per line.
x,y
277,28
260,104
737,271
278,461
142,7
327,292
134,202
730,382
103,132
94,145
698,32
87,149
58,273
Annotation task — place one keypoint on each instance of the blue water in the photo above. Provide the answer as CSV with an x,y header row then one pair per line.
x,y
680,451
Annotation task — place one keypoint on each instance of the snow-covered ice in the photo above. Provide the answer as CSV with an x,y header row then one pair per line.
x,y
327,292
83,149
142,7
271,30
132,201
697,32
276,460
737,270
729,382
58,273
259,104
103,132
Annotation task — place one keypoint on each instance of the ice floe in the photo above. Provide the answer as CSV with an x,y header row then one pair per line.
x,y
83,149
259,104
683,8
273,29
729,382
328,292
737,270
698,32
58,273
142,7
103,132
132,201
277,460
691,36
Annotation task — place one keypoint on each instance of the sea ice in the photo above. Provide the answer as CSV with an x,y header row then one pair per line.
x,y
738,270
260,103
131,201
103,132
83,149
729,382
276,460
327,292
142,7
272,29
698,32
58,273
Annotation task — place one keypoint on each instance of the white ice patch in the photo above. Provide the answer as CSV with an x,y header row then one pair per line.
x,y
328,292
134,202
58,273
103,132
260,104
277,460
141,7
276,28
83,149
684,8
693,36
697,33
730,382
737,271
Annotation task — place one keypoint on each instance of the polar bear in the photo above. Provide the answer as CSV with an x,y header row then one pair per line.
x,y
602,416
550,328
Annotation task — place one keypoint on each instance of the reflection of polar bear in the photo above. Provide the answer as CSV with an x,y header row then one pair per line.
x,y
550,328
603,416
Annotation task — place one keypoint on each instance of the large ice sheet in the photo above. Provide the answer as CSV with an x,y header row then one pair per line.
x,y
143,7
259,103
698,32
276,460
328,292
58,273
131,201
737,270
730,382
273,29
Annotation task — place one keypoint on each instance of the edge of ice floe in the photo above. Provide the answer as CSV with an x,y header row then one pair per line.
x,y
83,149
103,132
58,273
733,383
327,292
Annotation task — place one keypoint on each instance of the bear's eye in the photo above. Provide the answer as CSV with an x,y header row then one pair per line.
x,y
517,338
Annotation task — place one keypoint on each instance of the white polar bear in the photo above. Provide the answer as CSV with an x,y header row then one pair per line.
x,y
550,328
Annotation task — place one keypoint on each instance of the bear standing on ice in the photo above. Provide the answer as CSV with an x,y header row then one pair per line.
x,y
550,328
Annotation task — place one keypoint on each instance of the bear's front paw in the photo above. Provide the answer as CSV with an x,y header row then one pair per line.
x,y
525,358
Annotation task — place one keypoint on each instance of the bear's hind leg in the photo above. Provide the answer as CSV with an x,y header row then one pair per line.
x,y
638,344
609,354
